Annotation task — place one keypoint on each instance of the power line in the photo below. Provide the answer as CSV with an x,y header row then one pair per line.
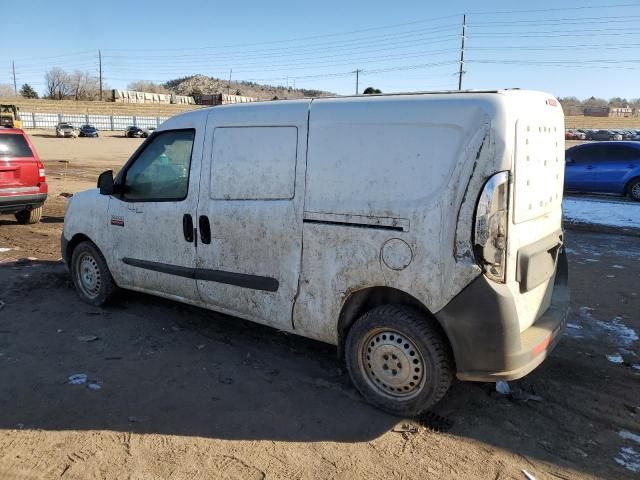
x,y
561,33
368,43
415,22
558,9
301,66
389,26
558,21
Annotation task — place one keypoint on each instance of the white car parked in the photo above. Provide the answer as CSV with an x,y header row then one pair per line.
x,y
420,233
66,130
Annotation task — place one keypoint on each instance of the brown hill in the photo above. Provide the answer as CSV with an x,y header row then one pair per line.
x,y
203,85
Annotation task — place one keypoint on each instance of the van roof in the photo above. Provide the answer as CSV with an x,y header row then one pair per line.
x,y
349,98
420,92
394,94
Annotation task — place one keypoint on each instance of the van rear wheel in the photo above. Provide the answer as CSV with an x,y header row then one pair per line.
x,y
29,217
398,360
91,275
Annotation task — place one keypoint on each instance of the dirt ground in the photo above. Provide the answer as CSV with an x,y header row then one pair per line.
x,y
178,392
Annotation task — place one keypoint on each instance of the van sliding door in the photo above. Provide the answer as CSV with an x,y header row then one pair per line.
x,y
250,212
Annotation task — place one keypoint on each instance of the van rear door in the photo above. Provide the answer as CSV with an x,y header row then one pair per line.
x,y
250,206
535,227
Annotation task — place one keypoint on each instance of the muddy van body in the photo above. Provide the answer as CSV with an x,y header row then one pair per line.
x,y
419,233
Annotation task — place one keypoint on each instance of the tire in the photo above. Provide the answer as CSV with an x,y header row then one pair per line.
x,y
634,189
29,217
422,369
91,275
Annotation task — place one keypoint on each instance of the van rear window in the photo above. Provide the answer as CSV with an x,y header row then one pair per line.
x,y
14,145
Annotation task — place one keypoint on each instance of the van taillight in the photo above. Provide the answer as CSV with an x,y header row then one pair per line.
x,y
490,238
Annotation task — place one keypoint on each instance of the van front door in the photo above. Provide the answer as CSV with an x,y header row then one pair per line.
x,y
153,240
250,213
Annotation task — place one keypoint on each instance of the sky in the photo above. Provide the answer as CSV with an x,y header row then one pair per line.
x,y
580,48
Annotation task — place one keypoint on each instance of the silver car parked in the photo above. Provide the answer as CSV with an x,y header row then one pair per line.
x,y
66,130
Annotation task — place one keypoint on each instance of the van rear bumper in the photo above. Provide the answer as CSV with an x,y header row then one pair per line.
x,y
482,325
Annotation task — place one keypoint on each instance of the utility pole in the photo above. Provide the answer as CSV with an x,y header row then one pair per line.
x,y
100,71
15,85
229,84
462,72
357,72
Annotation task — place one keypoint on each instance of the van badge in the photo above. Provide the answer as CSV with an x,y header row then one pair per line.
x,y
116,220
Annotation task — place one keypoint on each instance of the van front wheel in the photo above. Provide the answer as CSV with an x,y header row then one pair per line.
x,y
398,360
91,275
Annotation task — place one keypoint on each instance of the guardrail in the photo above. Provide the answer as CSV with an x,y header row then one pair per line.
x,y
101,122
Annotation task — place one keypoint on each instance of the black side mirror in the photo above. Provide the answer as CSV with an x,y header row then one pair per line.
x,y
105,183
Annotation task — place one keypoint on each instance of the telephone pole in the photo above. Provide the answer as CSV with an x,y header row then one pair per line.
x,y
100,71
229,84
15,85
462,72
357,72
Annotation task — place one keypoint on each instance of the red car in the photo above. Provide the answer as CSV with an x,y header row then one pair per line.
x,y
23,185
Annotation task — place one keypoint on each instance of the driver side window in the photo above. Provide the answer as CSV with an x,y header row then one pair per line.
x,y
161,171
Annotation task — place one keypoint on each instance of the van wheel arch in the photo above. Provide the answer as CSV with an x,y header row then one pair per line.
x,y
73,243
360,302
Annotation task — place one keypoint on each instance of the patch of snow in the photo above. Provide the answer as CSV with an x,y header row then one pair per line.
x,y
636,366
602,212
629,459
4,249
625,335
615,358
586,311
78,379
629,436
94,386
503,388
618,266
573,325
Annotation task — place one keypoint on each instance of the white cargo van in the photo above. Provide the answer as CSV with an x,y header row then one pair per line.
x,y
420,233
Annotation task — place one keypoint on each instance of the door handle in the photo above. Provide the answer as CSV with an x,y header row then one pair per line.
x,y
187,227
205,229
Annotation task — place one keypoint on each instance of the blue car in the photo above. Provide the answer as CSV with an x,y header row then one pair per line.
x,y
88,131
604,167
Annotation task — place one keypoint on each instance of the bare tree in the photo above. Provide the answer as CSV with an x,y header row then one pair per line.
x,y
147,86
571,105
618,102
595,102
83,85
58,85
6,90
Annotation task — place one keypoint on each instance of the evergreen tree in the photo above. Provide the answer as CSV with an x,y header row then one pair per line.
x,y
27,91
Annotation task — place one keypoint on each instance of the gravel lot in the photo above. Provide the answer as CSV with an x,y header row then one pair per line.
x,y
177,392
